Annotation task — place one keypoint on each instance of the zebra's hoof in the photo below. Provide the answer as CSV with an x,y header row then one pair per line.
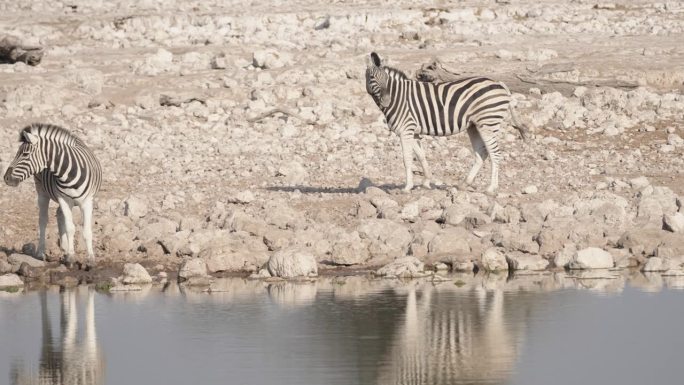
x,y
407,188
490,192
427,185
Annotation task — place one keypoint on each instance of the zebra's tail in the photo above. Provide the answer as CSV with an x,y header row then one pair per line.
x,y
522,129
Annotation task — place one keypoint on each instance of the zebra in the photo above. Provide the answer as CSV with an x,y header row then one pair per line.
x,y
412,108
66,171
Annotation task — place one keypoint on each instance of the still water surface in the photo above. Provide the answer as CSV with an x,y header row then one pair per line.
x,y
548,329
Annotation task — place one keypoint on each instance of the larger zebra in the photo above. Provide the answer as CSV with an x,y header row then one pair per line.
x,y
412,108
66,171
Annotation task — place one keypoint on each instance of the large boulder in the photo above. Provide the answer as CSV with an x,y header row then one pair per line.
x,y
234,255
457,213
565,255
494,260
453,241
270,59
646,241
656,202
17,259
522,261
293,172
674,222
135,207
386,238
134,273
240,221
193,268
292,263
349,249
591,258
5,266
405,267
385,206
656,264
515,238
10,280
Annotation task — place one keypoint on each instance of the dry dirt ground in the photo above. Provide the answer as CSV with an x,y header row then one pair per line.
x,y
165,93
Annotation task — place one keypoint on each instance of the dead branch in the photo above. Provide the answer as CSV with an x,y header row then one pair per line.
x,y
279,111
435,72
178,100
599,82
12,51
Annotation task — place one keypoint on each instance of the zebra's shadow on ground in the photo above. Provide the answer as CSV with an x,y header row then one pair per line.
x,y
364,184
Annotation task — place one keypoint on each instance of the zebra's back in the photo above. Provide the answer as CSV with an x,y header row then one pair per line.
x,y
442,109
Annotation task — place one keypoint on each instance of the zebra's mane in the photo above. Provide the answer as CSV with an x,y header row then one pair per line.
x,y
395,73
55,133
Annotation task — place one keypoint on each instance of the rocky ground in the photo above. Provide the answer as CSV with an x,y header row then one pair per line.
x,y
177,100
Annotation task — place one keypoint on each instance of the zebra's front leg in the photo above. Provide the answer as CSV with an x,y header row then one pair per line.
x,y
420,154
69,228
407,153
43,204
87,210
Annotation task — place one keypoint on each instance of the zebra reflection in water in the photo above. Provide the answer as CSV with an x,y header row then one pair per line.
x,y
447,340
72,361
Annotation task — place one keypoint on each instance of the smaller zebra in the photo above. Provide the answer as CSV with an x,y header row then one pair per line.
x,y
413,108
66,171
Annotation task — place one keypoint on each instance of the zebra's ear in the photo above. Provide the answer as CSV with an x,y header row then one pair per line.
x,y
29,137
375,59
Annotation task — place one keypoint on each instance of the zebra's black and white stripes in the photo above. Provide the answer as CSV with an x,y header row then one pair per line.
x,y
412,108
66,171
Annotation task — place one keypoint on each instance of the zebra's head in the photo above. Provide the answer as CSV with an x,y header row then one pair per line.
x,y
28,161
377,81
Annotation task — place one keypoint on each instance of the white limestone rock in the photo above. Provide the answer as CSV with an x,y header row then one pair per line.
x,y
17,259
405,267
292,263
522,261
135,273
192,268
674,222
135,207
591,258
494,260
10,280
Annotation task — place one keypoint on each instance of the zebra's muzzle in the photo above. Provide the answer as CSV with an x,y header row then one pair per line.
x,y
10,180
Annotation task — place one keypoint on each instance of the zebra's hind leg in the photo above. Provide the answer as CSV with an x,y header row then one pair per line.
x,y
479,151
407,140
43,204
87,210
490,134
69,227
420,154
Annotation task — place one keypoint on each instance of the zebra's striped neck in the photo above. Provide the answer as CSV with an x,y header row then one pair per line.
x,y
396,114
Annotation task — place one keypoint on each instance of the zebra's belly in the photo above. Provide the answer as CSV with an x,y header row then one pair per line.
x,y
444,130
48,184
